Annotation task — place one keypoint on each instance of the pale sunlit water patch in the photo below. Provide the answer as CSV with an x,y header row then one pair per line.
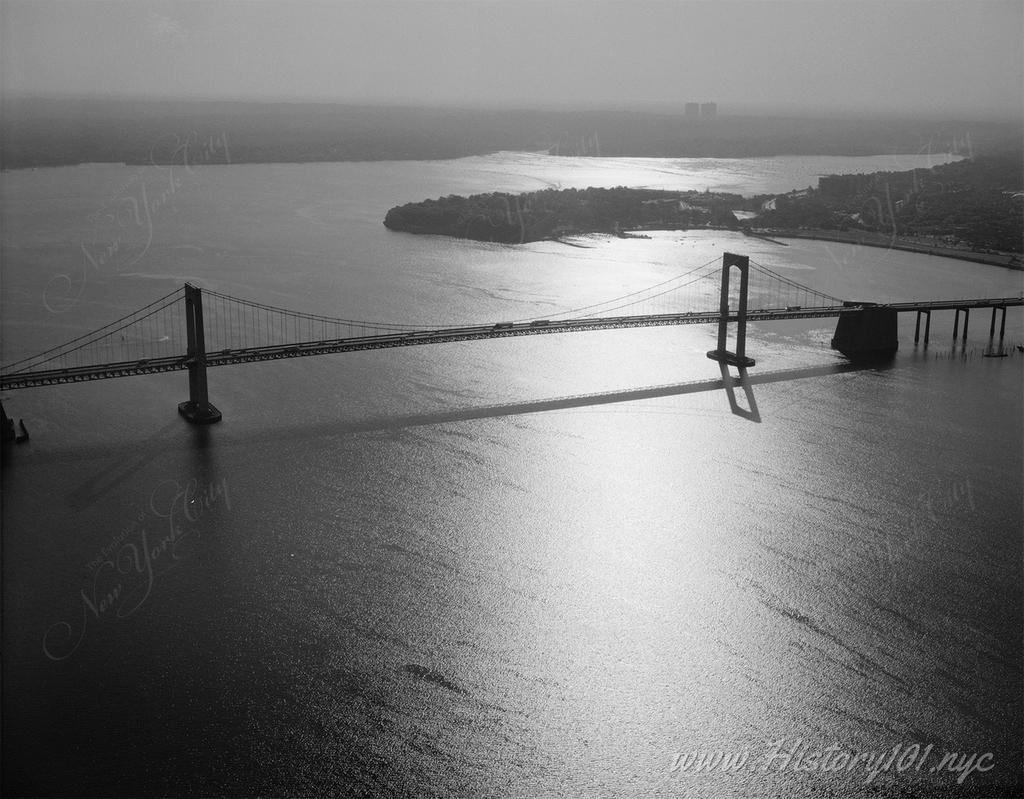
x,y
741,176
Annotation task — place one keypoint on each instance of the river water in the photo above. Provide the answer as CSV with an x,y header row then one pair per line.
x,y
541,566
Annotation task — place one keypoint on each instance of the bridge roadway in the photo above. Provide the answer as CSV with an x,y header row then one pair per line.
x,y
452,334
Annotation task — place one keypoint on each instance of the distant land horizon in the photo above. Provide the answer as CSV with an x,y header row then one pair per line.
x,y
47,131
790,110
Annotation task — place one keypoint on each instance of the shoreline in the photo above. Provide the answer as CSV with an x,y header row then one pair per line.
x,y
868,239
241,160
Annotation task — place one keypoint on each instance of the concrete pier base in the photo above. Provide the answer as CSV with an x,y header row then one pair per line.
x,y
730,358
199,414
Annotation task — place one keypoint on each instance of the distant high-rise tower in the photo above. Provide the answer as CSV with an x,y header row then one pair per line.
x,y
709,109
692,109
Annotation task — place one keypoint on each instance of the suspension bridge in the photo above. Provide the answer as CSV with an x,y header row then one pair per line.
x,y
192,329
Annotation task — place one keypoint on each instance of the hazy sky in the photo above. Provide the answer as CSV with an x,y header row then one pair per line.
x,y
934,56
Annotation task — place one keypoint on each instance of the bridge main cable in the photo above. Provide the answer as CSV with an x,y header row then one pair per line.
x,y
314,317
400,327
94,335
794,284
633,294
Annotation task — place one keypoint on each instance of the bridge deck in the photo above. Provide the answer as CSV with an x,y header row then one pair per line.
x,y
453,334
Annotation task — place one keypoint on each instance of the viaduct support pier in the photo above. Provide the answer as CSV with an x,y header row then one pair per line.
x,y
991,352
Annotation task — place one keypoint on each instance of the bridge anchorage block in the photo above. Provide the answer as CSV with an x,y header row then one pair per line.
x,y
867,334
199,413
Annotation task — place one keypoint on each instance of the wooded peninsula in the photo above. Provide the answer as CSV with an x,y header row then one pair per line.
x,y
553,213
974,205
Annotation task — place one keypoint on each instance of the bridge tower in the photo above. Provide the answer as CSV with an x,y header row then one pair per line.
x,y
197,409
721,354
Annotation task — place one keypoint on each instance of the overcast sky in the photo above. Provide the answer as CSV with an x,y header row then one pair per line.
x,y
963,56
